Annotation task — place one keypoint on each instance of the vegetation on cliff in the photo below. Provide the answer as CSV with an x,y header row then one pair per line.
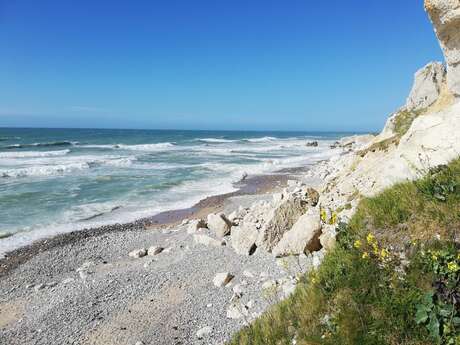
x,y
393,277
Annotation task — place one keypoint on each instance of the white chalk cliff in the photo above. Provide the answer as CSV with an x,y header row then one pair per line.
x,y
424,133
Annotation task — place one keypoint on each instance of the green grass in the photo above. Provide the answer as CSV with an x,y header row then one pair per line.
x,y
364,292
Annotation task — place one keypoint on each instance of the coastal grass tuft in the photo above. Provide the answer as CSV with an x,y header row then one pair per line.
x,y
393,277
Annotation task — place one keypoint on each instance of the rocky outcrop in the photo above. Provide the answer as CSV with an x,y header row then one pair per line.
x,y
445,16
303,237
427,86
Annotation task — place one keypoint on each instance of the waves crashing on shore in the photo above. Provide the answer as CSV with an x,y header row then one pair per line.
x,y
54,181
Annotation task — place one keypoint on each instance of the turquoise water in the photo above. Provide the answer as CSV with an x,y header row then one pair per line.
x,y
58,180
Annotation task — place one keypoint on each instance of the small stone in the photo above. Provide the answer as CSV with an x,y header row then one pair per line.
x,y
39,287
195,225
203,332
238,290
250,304
68,280
154,250
209,305
248,274
138,253
207,241
236,311
139,343
222,279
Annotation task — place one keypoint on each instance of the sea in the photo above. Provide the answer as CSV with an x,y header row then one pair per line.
x,y
59,180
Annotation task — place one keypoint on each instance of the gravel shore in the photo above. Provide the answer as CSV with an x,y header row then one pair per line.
x,y
84,288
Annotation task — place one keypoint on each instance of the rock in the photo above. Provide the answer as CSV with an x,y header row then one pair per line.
x,y
250,304
248,274
138,253
236,311
244,239
220,224
203,332
238,290
304,236
445,16
289,287
209,305
222,279
312,196
312,143
139,343
427,86
281,219
277,197
327,240
39,287
207,241
86,269
154,250
269,285
195,225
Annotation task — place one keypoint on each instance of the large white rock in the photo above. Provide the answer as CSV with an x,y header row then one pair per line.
x,y
304,236
203,332
280,219
427,86
244,239
220,224
445,16
138,253
222,279
207,241
195,224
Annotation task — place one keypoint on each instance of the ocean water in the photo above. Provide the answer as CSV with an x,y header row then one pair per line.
x,y
59,180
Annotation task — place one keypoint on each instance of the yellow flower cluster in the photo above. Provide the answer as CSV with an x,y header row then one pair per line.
x,y
371,243
453,266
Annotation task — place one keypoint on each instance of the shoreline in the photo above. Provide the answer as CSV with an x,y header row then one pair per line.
x,y
253,185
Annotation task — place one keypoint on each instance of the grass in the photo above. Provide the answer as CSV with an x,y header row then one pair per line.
x,y
391,279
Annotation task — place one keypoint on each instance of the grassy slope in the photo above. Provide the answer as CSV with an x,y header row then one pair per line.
x,y
392,278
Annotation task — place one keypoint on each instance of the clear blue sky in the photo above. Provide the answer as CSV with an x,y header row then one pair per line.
x,y
214,64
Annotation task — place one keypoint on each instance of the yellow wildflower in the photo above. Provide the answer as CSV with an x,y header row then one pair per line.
x,y
384,253
453,266
365,255
313,280
370,238
376,248
357,244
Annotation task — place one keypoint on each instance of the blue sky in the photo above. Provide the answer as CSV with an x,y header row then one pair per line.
x,y
214,64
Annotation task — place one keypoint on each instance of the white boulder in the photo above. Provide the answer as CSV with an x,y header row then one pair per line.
x,y
219,224
222,279
138,253
207,241
203,332
303,236
244,239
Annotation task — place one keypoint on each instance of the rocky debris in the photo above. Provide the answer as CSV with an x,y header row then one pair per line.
x,y
138,253
154,250
244,239
312,196
312,144
445,16
427,86
196,224
203,332
219,224
303,236
222,279
207,241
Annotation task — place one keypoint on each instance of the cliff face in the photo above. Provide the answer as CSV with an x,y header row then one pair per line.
x,y
445,16
425,132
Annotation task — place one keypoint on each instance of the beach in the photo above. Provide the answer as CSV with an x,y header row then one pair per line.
x,y
83,288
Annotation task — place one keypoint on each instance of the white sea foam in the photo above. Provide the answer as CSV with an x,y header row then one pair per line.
x,y
217,140
262,140
33,154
